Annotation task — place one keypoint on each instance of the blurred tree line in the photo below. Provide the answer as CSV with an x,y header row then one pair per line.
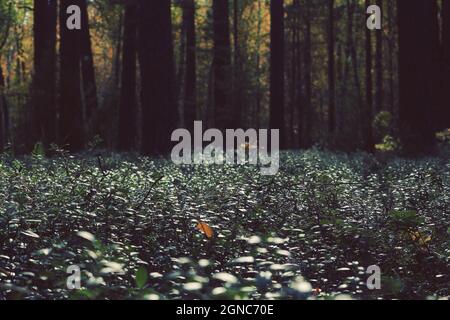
x,y
138,69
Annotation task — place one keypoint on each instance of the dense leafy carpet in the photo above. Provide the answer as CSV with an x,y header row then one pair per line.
x,y
141,228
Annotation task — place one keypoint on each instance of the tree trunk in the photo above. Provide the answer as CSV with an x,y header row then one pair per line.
x,y
331,70
190,81
391,43
4,114
437,93
293,85
128,101
237,67
354,55
379,66
366,115
308,75
156,57
87,64
415,75
44,78
258,67
224,114
277,69
71,113
444,111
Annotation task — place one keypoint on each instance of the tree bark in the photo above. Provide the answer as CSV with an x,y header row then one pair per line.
x,y
415,75
366,115
258,67
379,66
128,100
44,77
443,120
4,114
308,75
277,48
87,64
156,57
190,81
224,114
392,73
71,126
237,67
331,70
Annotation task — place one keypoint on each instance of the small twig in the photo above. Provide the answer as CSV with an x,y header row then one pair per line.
x,y
100,165
148,193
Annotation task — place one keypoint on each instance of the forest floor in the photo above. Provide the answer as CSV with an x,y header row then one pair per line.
x,y
146,229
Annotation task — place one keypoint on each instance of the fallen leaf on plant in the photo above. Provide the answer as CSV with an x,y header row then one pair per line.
x,y
205,229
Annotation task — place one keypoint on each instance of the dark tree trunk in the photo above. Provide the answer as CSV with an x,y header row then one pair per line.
x,y
128,101
353,54
190,81
366,115
308,76
4,114
258,67
224,113
391,56
4,111
87,64
331,70
156,57
237,67
415,75
297,77
277,69
444,110
379,66
44,78
71,126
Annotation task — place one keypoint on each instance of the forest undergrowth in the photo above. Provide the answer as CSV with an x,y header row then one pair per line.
x,y
140,228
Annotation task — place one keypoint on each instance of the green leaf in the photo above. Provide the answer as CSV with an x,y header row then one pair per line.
x,y
141,277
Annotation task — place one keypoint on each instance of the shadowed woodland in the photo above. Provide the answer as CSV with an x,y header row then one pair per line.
x,y
86,118
137,70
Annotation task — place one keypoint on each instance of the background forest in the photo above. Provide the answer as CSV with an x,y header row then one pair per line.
x,y
333,82
86,118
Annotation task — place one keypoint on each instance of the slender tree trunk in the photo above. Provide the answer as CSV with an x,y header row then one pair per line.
x,y
258,67
293,72
44,77
277,69
237,68
391,44
4,111
331,70
379,66
156,57
298,98
71,125
180,68
190,81
415,73
117,54
308,75
366,115
354,55
4,114
128,101
224,111
87,64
